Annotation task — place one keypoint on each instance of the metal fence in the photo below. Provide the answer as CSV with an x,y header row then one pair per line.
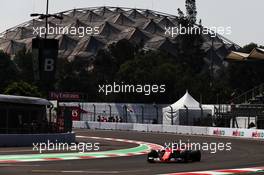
x,y
120,112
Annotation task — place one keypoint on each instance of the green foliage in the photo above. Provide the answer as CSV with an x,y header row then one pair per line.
x,y
243,76
145,68
156,67
191,14
128,51
23,60
106,65
23,89
191,11
8,70
248,48
75,76
130,64
180,13
190,54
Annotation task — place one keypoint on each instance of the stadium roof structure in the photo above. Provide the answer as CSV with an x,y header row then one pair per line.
x,y
237,56
142,26
255,54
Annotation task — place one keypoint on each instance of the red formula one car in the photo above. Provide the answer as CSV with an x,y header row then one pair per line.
x,y
169,155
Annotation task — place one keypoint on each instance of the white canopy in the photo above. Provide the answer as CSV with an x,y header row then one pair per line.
x,y
188,101
178,111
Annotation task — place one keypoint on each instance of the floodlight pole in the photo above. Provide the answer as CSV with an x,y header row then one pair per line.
x,y
212,62
46,17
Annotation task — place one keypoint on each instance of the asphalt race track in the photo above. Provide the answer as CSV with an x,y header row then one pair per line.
x,y
244,153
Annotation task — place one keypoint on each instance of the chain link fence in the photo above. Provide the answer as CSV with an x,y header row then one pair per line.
x,y
120,112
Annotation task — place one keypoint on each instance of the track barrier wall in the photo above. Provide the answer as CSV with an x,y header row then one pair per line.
x,y
28,139
140,127
179,129
154,128
185,130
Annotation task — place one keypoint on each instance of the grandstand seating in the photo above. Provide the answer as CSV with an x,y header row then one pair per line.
x,y
249,104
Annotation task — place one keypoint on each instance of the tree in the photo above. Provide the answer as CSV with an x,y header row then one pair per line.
x,y
23,89
8,70
191,11
106,65
23,60
159,68
242,76
248,48
180,13
122,51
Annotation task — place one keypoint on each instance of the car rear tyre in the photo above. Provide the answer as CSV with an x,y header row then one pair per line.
x,y
152,155
196,156
186,157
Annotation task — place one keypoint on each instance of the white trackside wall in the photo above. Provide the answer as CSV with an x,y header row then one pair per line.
x,y
179,129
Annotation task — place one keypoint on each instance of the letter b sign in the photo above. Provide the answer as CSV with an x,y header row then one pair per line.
x,y
49,65
45,59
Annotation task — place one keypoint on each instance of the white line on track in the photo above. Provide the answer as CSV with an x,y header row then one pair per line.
x,y
14,151
18,165
88,172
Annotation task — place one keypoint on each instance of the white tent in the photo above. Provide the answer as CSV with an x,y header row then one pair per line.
x,y
186,111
